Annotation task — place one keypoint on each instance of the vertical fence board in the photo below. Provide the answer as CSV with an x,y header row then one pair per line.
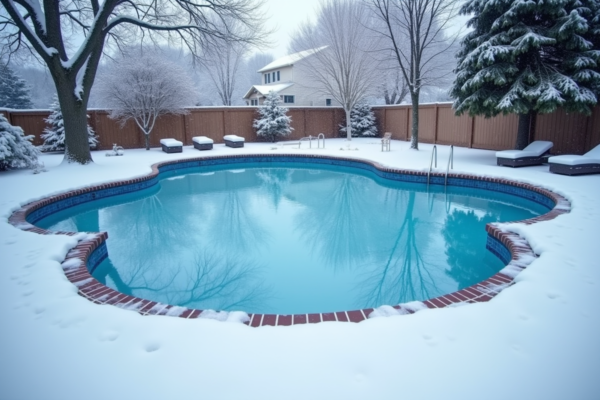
x,y
396,121
593,138
497,133
32,123
206,122
452,129
110,132
566,130
426,123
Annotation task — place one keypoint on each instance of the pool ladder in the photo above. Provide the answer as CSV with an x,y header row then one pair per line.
x,y
448,167
310,138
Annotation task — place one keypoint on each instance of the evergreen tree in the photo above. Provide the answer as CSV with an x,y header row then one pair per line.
x,y
14,92
54,136
16,150
526,57
362,122
273,120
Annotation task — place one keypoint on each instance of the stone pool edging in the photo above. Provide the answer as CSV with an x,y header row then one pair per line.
x,y
506,245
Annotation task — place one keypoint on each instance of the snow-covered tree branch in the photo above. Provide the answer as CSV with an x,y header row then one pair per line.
x,y
46,28
529,57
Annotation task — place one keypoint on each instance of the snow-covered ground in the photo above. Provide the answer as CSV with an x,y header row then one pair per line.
x,y
539,339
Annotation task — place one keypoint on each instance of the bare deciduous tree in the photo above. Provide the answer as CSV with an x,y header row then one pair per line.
x,y
345,69
143,87
415,33
253,64
46,29
394,86
222,61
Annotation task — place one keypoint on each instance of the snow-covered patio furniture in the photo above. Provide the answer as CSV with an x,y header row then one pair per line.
x,y
171,145
385,141
534,154
570,164
202,143
234,141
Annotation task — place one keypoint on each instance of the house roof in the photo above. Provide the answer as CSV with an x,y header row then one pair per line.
x,y
265,89
290,59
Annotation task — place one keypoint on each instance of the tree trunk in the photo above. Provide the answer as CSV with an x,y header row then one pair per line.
x,y
348,126
147,138
77,146
523,130
414,138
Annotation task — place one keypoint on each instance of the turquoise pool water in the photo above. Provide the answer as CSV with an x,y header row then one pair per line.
x,y
291,238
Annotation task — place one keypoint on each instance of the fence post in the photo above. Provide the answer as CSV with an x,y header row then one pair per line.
x,y
435,124
407,123
472,133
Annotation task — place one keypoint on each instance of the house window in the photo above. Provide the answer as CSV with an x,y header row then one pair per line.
x,y
254,102
278,76
327,102
288,99
266,78
274,77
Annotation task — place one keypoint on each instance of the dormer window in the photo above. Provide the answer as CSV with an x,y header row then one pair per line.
x,y
278,76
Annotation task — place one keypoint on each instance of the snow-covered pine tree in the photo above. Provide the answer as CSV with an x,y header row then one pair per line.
x,y
362,122
16,150
14,92
273,121
528,57
54,136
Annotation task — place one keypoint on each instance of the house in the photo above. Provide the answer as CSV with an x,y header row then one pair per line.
x,y
287,77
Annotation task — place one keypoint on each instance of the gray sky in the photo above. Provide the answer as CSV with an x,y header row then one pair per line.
x,y
285,16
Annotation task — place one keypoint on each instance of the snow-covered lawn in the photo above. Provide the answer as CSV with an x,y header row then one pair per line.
x,y
539,339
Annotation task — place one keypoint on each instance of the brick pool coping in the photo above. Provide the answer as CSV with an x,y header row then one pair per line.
x,y
76,270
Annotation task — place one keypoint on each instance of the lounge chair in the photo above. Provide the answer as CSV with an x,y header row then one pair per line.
x,y
233,141
569,164
202,143
534,154
171,145
385,141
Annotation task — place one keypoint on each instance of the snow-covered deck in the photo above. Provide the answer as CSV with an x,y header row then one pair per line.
x,y
536,339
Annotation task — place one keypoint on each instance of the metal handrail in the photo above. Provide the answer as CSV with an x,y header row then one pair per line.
x,y
320,136
309,138
450,164
434,151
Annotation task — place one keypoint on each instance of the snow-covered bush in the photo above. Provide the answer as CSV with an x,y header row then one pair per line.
x,y
16,150
54,136
273,120
362,122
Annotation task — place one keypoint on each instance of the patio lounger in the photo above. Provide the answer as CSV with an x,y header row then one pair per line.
x,y
385,141
171,145
534,154
569,164
202,143
233,141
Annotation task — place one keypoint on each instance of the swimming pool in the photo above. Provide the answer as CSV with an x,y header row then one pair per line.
x,y
339,258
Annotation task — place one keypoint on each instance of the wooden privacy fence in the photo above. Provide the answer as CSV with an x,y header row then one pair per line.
x,y
572,133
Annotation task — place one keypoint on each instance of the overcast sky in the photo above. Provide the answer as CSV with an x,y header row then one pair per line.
x,y
284,16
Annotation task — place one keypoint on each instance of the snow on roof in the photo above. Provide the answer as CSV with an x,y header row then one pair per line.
x,y
265,89
290,59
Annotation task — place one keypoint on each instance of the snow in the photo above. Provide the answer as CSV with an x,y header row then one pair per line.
x,y
537,339
265,89
233,138
171,142
290,59
202,140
